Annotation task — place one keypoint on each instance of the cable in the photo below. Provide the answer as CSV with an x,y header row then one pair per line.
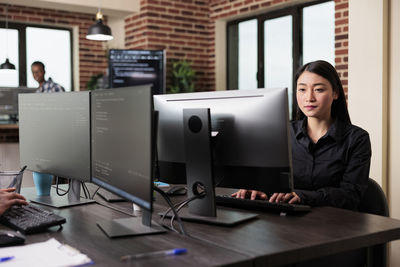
x,y
95,192
65,192
168,200
176,205
184,203
85,190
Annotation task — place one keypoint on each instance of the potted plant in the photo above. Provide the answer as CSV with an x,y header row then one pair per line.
x,y
94,81
183,77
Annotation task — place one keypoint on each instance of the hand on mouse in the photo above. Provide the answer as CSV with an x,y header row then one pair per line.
x,y
9,198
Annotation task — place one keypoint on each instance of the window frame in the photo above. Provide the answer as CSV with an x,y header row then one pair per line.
x,y
297,37
21,27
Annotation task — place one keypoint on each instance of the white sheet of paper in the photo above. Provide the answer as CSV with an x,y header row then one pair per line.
x,y
48,253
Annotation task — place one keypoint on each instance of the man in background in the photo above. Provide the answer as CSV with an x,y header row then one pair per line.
x,y
38,71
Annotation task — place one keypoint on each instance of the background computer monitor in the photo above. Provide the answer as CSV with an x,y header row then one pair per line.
x,y
122,153
54,138
137,67
9,101
251,148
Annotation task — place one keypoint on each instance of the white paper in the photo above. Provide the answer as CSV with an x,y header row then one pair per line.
x,y
48,253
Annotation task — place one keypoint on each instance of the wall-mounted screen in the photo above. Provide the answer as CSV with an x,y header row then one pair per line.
x,y
137,67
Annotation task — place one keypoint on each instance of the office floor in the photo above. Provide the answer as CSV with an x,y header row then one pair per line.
x,y
9,161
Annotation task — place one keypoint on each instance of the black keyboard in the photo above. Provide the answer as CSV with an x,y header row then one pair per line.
x,y
30,219
260,205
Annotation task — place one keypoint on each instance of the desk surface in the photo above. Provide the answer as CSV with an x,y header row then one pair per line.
x,y
270,240
80,231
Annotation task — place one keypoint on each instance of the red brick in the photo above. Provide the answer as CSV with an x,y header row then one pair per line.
x,y
342,6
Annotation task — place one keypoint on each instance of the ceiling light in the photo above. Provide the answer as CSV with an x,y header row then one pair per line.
x,y
99,31
7,65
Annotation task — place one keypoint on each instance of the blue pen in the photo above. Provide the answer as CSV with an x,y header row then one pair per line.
x,y
3,259
176,251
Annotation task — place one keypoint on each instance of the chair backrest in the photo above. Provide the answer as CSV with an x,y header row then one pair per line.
x,y
374,200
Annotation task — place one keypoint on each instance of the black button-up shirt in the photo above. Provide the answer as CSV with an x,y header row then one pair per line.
x,y
335,170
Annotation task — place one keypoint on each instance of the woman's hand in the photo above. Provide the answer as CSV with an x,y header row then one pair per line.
x,y
290,198
8,198
252,194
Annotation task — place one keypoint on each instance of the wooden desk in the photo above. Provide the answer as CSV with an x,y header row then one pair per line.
x,y
271,240
80,231
274,240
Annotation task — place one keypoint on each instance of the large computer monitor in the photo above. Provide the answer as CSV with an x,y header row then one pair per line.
x,y
236,139
122,153
128,67
54,138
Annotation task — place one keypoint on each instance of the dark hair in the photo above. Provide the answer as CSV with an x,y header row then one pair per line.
x,y
325,69
40,64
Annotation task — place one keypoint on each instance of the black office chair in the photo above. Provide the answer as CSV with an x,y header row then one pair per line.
x,y
374,202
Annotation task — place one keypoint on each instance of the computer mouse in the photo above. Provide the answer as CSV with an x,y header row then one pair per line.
x,y
11,238
177,191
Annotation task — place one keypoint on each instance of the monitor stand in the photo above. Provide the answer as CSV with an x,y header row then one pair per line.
x,y
133,226
72,199
199,173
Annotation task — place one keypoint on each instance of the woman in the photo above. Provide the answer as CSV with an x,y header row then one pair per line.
x,y
331,157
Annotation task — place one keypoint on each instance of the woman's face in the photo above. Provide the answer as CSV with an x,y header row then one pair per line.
x,y
315,96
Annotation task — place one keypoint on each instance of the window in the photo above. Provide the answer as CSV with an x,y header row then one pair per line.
x,y
26,44
318,32
266,50
9,49
278,59
247,54
57,56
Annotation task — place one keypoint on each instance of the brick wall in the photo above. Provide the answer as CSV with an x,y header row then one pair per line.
x,y
92,55
342,40
183,28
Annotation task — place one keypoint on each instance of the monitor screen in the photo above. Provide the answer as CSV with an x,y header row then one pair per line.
x,y
54,133
122,143
251,144
9,99
137,67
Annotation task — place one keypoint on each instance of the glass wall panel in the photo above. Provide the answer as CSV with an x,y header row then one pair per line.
x,y
247,55
9,48
278,55
53,48
319,32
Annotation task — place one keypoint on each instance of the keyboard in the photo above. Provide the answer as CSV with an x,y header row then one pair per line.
x,y
108,196
260,205
30,219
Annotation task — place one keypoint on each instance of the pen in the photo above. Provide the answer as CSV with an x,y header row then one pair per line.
x,y
3,259
23,169
176,251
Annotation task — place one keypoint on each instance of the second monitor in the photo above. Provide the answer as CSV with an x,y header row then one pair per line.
x,y
122,153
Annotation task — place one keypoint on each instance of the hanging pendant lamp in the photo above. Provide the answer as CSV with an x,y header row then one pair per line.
x,y
7,65
99,31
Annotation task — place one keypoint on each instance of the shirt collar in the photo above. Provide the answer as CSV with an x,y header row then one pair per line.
x,y
336,131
